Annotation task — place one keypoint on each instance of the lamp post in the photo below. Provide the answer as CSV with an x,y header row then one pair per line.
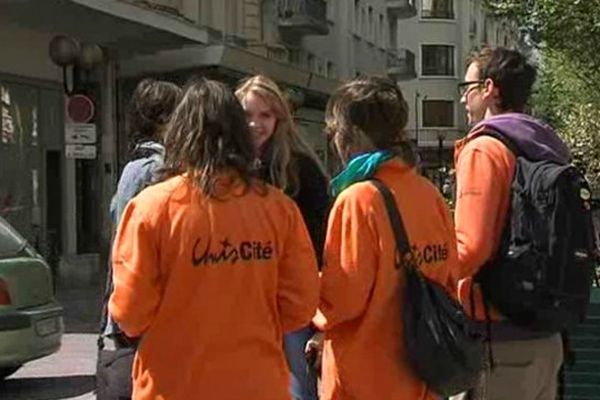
x,y
417,97
441,177
66,51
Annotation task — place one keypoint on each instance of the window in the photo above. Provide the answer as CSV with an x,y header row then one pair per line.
x,y
295,56
437,60
381,30
356,16
370,24
438,113
11,242
330,10
363,23
393,28
319,67
310,62
438,9
331,73
485,31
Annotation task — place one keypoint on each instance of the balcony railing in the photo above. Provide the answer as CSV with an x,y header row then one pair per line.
x,y
433,137
401,8
401,64
298,18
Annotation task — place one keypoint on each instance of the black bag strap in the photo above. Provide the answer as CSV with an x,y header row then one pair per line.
x,y
508,142
402,243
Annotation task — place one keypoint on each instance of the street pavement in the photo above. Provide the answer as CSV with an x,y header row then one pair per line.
x,y
69,373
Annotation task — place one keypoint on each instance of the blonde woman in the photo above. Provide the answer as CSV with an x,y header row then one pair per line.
x,y
286,161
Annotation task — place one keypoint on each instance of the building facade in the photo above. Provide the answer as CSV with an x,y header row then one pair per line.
x,y
307,46
437,36
56,188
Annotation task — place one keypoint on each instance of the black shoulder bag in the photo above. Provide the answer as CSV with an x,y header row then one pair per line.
x,y
442,348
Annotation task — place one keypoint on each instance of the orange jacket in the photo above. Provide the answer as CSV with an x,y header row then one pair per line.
x,y
484,173
361,290
211,286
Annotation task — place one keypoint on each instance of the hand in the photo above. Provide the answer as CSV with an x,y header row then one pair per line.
x,y
314,352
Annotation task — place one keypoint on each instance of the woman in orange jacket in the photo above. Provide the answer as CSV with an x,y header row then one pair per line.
x,y
361,290
211,266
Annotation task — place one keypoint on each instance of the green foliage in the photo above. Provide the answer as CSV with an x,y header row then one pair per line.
x,y
571,27
568,103
567,35
581,130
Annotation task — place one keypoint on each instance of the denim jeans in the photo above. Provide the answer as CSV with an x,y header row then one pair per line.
x,y
303,385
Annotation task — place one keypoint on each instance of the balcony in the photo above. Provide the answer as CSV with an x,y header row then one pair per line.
x,y
434,137
401,8
299,18
401,64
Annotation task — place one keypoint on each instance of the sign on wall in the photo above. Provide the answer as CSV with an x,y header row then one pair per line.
x,y
76,133
84,151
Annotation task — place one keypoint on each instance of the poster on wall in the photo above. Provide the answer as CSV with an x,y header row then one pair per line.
x,y
80,151
8,126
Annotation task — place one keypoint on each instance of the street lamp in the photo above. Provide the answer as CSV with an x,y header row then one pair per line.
x,y
441,172
66,51
417,96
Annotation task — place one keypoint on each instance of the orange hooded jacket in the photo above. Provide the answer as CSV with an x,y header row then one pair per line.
x,y
484,173
362,291
210,286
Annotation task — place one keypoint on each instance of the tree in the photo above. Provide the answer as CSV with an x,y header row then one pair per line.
x,y
566,33
571,27
565,101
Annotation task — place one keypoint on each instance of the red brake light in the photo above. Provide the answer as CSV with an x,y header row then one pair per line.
x,y
4,294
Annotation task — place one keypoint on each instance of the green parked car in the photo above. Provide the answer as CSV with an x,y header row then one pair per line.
x,y
31,321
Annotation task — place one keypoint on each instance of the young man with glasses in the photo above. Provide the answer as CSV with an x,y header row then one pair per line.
x,y
497,85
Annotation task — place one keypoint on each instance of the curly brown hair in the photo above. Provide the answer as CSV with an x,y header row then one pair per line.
x,y
150,109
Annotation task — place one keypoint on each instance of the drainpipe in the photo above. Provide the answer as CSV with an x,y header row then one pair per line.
x,y
108,147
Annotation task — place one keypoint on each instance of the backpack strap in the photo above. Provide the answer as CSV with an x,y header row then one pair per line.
x,y
508,142
402,243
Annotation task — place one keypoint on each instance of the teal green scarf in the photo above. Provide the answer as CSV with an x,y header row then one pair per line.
x,y
360,168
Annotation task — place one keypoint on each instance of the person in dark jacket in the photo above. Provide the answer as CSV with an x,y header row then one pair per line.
x,y
286,161
150,109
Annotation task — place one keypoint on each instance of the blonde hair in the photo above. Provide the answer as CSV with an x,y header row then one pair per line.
x,y
283,172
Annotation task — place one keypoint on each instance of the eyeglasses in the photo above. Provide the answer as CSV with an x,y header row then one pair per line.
x,y
465,87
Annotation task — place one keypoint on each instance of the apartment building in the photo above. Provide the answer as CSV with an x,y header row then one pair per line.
x,y
437,36
57,190
307,46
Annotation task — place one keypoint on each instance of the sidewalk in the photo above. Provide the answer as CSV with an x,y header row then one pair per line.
x,y
82,307
79,289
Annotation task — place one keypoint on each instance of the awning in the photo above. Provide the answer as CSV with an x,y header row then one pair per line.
x,y
228,58
115,24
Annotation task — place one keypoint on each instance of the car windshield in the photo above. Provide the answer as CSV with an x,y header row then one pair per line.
x,y
11,242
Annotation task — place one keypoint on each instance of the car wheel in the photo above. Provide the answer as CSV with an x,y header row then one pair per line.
x,y
7,371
